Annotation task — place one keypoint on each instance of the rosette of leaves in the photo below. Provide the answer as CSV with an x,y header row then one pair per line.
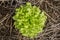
x,y
29,20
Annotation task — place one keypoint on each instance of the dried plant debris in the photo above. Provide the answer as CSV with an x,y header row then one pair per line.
x,y
10,3
51,31
4,0
7,32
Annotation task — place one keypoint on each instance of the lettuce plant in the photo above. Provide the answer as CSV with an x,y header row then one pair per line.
x,y
29,20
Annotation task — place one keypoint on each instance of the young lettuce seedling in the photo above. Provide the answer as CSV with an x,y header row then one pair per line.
x,y
29,20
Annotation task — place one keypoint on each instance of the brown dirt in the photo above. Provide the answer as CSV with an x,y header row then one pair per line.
x,y
51,31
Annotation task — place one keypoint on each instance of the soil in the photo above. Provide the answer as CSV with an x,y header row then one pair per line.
x,y
51,31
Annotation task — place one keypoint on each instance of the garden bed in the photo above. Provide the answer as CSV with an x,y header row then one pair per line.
x,y
51,31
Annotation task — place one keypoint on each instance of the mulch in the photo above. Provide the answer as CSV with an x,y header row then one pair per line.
x,y
51,31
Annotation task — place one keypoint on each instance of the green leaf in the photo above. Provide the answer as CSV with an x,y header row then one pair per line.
x,y
29,20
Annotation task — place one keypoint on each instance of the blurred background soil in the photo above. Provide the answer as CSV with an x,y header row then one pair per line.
x,y
51,31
